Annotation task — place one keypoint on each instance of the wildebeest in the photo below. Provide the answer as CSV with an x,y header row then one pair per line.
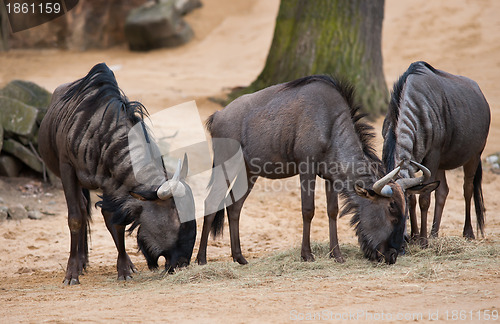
x,y
312,127
442,121
84,139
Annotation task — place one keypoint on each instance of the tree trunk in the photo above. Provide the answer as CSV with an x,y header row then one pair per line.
x,y
337,37
4,30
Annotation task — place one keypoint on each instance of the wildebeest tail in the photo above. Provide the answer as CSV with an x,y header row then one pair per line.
x,y
218,223
209,122
86,195
478,199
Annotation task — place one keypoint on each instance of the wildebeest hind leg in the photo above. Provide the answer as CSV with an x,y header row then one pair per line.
x,y
332,208
307,187
124,265
469,172
76,221
440,195
233,215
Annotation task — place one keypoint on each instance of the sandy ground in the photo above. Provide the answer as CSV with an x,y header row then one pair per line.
x,y
231,44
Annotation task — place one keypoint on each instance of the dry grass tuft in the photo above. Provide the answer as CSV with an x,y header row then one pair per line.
x,y
216,271
445,258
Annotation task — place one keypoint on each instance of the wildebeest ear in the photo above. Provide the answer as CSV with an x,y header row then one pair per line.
x,y
185,168
424,188
365,193
144,195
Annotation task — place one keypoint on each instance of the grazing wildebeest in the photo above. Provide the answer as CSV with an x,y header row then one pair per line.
x,y
84,139
440,120
312,127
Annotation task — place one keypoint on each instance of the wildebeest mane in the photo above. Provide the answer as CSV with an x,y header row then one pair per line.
x,y
416,68
363,130
98,88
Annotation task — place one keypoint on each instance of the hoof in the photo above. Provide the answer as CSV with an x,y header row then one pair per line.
x,y
339,259
308,258
241,260
201,262
124,278
71,282
469,235
414,239
423,242
201,259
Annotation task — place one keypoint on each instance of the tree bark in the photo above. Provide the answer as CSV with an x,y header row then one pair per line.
x,y
4,30
337,37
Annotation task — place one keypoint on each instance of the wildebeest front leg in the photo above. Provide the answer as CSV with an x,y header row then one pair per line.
x,y
124,265
412,207
307,186
332,208
201,257
424,201
76,221
440,195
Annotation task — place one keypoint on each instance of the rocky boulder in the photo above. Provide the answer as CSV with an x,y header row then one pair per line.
x,y
4,213
29,93
156,25
17,212
17,117
186,6
22,107
9,166
91,24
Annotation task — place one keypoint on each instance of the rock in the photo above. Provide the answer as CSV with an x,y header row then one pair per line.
x,y
18,212
98,23
186,6
30,94
23,154
4,212
17,117
90,24
35,214
492,159
9,166
54,180
156,25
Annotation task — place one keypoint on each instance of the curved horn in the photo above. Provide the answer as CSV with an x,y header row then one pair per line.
x,y
177,174
172,187
381,188
411,182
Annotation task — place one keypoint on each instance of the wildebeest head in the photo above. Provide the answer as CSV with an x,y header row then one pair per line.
x,y
164,218
380,219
